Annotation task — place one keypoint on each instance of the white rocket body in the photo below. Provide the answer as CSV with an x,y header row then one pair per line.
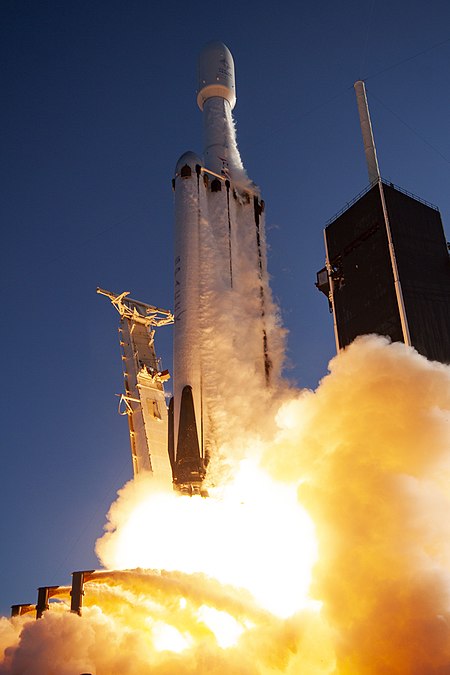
x,y
225,321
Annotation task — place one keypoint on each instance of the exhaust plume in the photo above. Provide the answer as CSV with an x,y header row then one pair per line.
x,y
366,456
372,445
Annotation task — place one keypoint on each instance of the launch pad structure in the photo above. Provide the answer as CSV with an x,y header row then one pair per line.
x,y
387,263
143,402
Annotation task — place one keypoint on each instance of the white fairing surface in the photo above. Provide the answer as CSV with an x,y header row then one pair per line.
x,y
228,343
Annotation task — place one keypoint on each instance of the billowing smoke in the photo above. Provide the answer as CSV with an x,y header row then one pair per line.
x,y
367,457
372,445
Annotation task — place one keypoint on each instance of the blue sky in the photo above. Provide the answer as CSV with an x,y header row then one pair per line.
x,y
98,104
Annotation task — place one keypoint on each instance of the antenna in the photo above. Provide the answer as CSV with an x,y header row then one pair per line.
x,y
367,134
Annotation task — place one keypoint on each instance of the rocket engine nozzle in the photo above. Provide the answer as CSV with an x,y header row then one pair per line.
x,y
189,477
189,467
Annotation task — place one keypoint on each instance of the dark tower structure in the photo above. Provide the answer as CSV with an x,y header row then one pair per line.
x,y
387,265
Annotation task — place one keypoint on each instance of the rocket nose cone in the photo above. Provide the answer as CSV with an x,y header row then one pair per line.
x,y
189,159
215,50
216,74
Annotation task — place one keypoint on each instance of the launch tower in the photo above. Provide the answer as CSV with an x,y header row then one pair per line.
x,y
144,401
387,264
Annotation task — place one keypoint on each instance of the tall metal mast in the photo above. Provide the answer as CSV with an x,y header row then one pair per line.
x,y
367,133
374,176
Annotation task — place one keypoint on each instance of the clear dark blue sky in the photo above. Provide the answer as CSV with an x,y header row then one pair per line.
x,y
98,103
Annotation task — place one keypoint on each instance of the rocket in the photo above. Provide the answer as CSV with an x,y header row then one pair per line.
x,y
228,347
224,331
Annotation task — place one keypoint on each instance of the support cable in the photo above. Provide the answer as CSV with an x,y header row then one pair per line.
x,y
416,133
409,58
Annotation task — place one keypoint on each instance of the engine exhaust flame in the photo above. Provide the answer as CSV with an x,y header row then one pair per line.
x,y
235,536
367,457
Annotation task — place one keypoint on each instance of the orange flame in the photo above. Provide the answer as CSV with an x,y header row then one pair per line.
x,y
367,456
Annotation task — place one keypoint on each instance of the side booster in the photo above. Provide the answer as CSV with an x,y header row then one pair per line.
x,y
221,286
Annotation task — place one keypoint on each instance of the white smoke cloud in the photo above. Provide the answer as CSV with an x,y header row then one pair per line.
x,y
369,452
373,445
